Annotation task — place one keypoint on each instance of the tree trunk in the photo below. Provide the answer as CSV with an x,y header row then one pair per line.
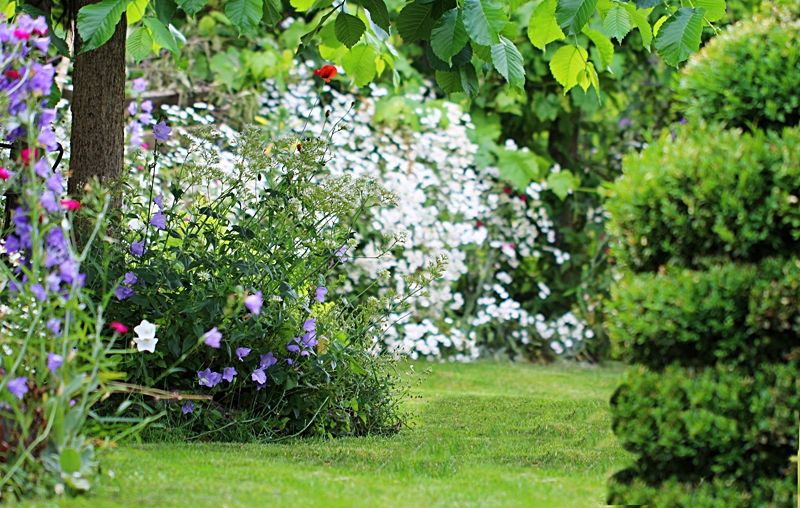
x,y
98,110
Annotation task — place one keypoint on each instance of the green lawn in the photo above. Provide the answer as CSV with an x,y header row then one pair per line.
x,y
487,434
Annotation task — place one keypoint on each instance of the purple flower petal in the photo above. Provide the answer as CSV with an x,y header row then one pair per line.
x,y
159,220
228,374
259,377
140,84
268,360
123,292
242,352
130,279
254,303
54,361
18,387
212,338
137,248
320,293
161,131
188,407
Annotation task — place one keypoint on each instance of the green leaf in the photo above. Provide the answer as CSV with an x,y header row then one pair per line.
x,y
658,24
562,183
359,64
469,80
484,19
604,46
572,15
165,9
483,52
508,62
161,35
271,12
519,168
639,18
449,81
542,27
617,23
140,43
566,64
646,4
415,22
70,461
435,62
244,14
348,29
135,11
463,57
301,5
449,36
715,9
191,7
679,37
97,22
378,13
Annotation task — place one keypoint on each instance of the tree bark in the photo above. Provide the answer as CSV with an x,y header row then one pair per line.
x,y
98,110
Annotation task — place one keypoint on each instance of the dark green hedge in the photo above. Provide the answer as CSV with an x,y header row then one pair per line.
x,y
746,77
739,314
709,192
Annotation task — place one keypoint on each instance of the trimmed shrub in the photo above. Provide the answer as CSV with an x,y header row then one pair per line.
x,y
684,199
746,77
737,314
708,221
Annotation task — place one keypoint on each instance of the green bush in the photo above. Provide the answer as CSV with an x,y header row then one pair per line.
x,y
746,77
738,314
687,198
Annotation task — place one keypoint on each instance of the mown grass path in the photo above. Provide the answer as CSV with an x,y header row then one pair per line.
x,y
487,434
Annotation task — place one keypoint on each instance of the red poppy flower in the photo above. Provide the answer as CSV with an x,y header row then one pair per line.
x,y
326,72
71,204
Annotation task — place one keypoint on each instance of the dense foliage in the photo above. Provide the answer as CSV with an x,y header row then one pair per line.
x,y
706,310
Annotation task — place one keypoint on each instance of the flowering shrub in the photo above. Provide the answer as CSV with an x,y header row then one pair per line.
x,y
55,363
228,261
497,294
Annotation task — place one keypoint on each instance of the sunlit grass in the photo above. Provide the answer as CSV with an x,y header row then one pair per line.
x,y
487,434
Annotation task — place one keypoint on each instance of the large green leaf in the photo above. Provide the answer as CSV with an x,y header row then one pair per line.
x,y
566,64
378,13
97,22
359,64
517,168
508,62
617,23
449,81
679,36
604,46
348,29
165,9
646,4
140,43
70,461
191,7
161,35
415,22
449,36
469,80
572,15
484,19
542,27
135,11
715,9
244,14
562,183
639,17
271,12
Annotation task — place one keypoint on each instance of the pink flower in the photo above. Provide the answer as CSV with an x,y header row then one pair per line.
x,y
71,204
119,327
21,34
4,174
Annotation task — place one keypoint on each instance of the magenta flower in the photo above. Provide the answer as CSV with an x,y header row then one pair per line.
x,y
19,387
54,361
4,174
161,131
320,293
254,303
187,407
212,338
259,377
242,352
268,360
228,374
